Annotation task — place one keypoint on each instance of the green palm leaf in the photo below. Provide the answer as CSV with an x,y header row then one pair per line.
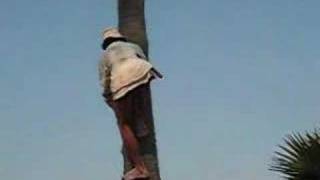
x,y
299,158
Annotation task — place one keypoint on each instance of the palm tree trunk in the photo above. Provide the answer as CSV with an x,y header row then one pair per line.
x,y
132,25
132,21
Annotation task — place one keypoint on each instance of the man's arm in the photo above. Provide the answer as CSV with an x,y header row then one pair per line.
x,y
140,54
139,51
105,76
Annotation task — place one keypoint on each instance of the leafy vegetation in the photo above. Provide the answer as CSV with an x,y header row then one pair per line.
x,y
299,158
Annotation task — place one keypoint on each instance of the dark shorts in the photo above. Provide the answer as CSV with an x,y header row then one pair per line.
x,y
132,108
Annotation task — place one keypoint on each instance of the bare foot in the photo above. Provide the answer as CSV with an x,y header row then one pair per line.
x,y
135,174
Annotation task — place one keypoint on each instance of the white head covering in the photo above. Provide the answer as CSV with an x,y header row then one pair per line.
x,y
111,32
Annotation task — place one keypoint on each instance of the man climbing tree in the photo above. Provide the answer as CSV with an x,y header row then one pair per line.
x,y
125,75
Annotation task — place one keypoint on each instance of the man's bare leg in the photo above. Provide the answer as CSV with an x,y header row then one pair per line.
x,y
124,112
132,147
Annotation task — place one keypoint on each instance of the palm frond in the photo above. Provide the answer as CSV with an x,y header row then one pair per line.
x,y
299,158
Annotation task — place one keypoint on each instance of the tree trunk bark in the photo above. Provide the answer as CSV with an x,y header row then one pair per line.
x,y
132,24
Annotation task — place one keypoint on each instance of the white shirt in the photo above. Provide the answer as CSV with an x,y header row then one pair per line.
x,y
123,67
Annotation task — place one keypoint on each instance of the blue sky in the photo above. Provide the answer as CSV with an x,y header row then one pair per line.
x,y
239,76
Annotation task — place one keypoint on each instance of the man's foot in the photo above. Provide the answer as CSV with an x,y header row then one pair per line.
x,y
135,174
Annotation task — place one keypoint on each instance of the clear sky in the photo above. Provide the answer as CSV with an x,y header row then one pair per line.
x,y
239,76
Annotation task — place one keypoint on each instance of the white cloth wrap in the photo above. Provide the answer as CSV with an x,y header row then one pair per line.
x,y
123,66
129,75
